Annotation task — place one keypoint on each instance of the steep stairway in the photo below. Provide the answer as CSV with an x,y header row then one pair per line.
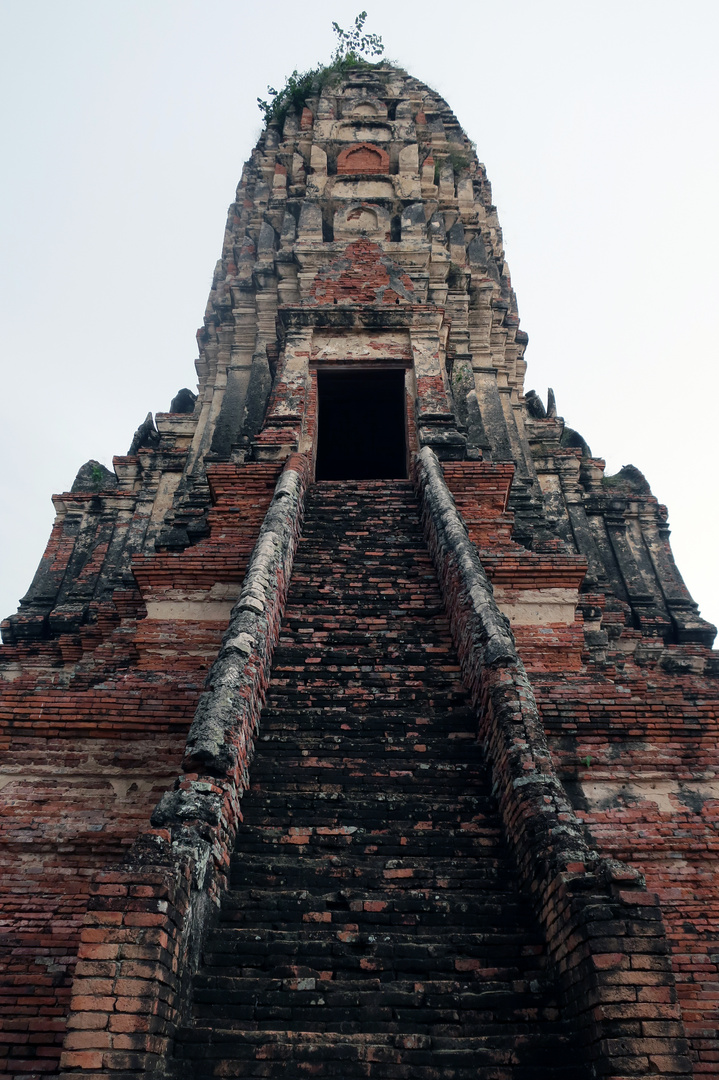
x,y
374,926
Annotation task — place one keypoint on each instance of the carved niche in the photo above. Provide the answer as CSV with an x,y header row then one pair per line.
x,y
363,158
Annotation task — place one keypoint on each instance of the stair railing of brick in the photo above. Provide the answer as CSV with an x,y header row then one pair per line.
x,y
143,931
604,932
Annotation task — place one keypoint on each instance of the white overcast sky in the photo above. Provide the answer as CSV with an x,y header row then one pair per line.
x,y
125,124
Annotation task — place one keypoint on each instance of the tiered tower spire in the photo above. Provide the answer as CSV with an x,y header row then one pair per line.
x,y
362,330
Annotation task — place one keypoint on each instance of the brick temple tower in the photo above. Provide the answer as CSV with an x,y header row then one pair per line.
x,y
358,725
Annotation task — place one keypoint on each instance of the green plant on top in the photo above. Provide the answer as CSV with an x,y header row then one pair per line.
x,y
353,46
457,157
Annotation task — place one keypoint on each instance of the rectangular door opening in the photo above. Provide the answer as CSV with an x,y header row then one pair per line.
x,y
361,425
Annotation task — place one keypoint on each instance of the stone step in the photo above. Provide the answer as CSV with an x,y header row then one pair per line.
x,y
365,528
373,872
372,736
441,720
374,926
478,831
324,640
353,774
433,993
326,1007
422,680
371,613
346,737
329,647
300,620
253,907
355,842
425,953
371,729
363,563
522,1054
282,808
401,744
359,691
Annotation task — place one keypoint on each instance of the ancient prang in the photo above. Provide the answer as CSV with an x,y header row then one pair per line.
x,y
358,725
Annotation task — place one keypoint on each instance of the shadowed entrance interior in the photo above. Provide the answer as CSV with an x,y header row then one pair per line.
x,y
361,425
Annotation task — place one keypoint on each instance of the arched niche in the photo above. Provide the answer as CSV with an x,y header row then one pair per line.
x,y
362,157
362,219
370,108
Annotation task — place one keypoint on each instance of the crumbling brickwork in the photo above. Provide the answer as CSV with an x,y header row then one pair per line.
x,y
557,644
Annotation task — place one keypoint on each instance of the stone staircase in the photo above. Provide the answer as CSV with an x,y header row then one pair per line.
x,y
374,926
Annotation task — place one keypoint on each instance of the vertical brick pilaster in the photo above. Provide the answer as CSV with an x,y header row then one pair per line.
x,y
142,932
603,930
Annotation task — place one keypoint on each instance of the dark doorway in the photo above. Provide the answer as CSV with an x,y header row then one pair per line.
x,y
361,425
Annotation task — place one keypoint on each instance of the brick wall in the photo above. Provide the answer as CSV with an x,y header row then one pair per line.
x,y
604,929
363,158
88,746
144,923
